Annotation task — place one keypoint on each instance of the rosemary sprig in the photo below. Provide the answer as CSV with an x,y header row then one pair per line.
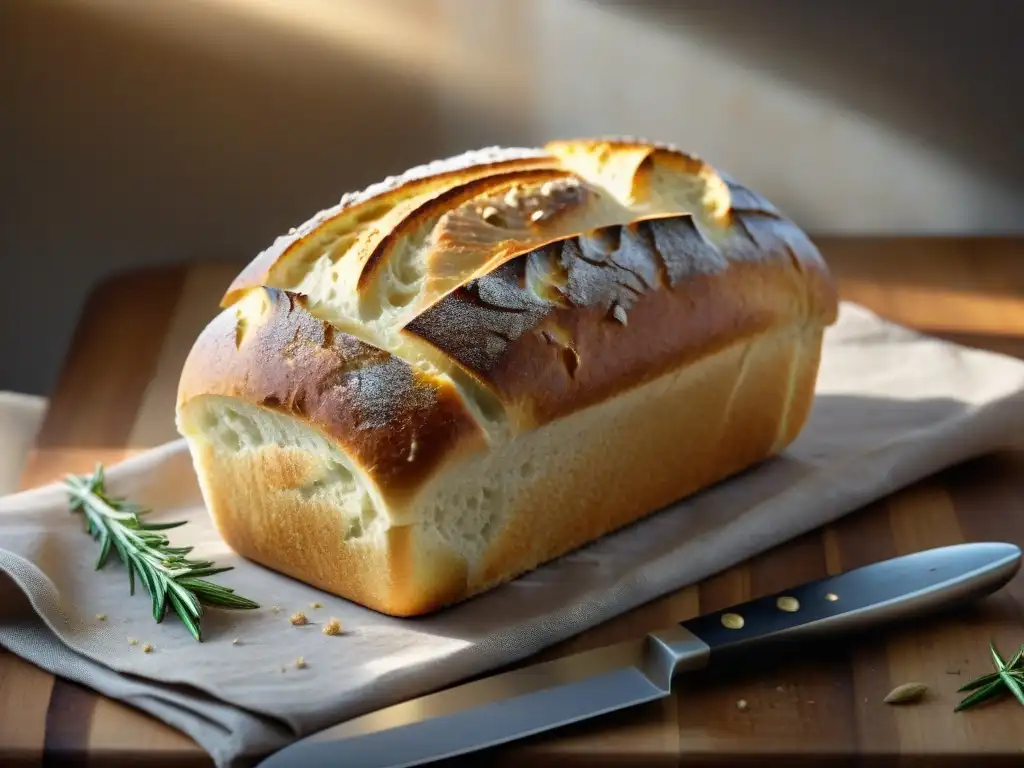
x,y
170,578
1006,678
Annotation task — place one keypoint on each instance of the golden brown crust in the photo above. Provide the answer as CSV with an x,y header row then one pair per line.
x,y
735,408
354,211
396,421
578,322
738,410
625,164
497,361
447,202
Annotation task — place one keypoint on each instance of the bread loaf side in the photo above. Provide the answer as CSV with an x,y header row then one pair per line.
x,y
468,370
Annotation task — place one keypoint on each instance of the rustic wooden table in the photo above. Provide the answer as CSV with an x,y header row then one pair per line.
x,y
115,397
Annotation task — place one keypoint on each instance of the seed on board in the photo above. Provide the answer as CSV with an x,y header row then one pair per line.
x,y
788,604
236,641
332,627
741,704
101,617
315,605
732,621
906,693
132,641
299,619
147,648
300,663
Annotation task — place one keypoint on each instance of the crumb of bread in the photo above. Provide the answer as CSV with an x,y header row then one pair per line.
x,y
275,608
332,627
236,641
741,704
300,663
147,648
132,641
315,605
101,617
299,619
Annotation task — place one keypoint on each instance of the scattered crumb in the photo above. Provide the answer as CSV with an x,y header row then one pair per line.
x,y
101,617
299,619
780,688
236,641
315,605
300,663
132,641
275,608
332,627
811,701
741,704
147,648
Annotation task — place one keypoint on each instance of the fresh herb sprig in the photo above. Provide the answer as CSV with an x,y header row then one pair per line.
x,y
171,579
1008,678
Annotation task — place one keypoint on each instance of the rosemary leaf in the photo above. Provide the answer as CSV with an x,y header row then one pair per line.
x,y
197,572
180,551
1000,664
171,579
983,680
1007,677
990,691
160,526
189,619
1016,688
1015,662
159,594
105,543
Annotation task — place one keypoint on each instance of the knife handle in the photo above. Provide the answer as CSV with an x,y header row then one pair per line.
x,y
899,588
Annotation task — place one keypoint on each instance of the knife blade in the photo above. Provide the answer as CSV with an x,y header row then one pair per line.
x,y
533,699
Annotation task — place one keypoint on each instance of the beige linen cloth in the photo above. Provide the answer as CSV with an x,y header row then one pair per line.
x,y
891,407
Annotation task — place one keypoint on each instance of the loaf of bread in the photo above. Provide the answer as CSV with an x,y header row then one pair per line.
x,y
468,370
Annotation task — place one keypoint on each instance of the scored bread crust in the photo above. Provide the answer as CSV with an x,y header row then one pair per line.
x,y
382,412
618,326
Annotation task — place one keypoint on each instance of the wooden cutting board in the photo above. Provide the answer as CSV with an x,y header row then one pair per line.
x,y
824,707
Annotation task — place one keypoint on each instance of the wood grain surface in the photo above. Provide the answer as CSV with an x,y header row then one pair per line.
x,y
822,707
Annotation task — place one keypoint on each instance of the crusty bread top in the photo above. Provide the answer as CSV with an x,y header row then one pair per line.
x,y
501,289
415,237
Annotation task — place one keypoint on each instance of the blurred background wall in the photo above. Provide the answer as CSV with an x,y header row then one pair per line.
x,y
149,132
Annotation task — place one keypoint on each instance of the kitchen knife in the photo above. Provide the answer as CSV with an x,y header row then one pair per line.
x,y
538,698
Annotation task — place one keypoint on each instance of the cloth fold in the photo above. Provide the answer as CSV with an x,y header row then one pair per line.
x,y
891,407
